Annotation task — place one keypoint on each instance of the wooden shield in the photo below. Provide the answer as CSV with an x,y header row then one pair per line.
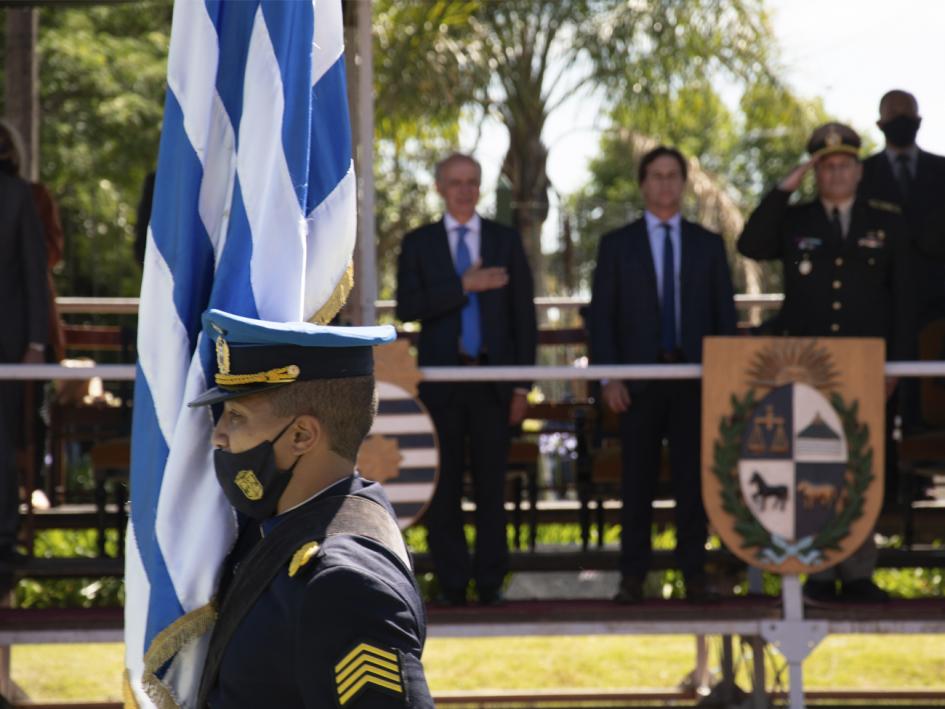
x,y
401,450
793,432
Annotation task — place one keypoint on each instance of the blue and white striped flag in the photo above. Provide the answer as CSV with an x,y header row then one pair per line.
x,y
253,213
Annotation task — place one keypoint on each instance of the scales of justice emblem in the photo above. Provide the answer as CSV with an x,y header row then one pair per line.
x,y
793,461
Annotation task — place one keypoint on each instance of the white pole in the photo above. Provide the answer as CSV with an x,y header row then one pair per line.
x,y
366,268
793,604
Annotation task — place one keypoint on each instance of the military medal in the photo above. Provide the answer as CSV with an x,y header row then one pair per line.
x,y
805,267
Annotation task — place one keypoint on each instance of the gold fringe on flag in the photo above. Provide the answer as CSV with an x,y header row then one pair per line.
x,y
168,643
337,299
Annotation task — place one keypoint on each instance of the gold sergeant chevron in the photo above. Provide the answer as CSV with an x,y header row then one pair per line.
x,y
367,665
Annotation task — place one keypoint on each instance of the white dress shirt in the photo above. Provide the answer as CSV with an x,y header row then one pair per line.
x,y
912,153
473,238
846,213
655,230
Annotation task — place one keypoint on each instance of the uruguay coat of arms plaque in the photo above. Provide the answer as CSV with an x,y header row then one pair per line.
x,y
792,447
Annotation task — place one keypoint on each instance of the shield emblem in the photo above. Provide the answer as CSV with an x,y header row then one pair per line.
x,y
793,461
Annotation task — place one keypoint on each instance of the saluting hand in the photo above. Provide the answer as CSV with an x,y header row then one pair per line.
x,y
478,279
616,396
794,178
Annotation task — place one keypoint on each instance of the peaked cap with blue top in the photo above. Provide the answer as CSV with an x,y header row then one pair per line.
x,y
256,355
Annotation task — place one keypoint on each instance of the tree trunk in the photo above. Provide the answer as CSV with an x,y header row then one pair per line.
x,y
525,166
21,93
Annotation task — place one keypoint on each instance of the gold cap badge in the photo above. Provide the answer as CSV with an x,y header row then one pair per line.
x,y
249,484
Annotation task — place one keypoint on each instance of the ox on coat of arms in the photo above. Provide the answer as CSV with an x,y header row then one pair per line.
x,y
793,447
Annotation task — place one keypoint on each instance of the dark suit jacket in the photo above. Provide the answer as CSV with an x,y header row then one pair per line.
x,y
928,186
625,306
429,290
926,197
23,286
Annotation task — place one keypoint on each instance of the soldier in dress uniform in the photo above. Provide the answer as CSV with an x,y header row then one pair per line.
x,y
846,274
318,605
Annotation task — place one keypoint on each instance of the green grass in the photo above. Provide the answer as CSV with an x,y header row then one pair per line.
x,y
93,672
69,672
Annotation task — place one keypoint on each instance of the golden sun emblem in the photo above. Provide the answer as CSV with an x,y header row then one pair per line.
x,y
249,485
793,361
379,458
223,356
833,138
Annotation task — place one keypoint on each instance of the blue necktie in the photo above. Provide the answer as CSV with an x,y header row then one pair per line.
x,y
668,310
471,337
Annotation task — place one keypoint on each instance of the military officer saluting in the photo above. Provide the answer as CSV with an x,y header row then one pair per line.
x,y
846,274
845,258
318,605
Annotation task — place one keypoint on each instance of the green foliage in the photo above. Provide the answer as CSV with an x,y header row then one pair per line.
x,y
102,81
71,592
739,155
107,591
421,81
519,60
421,85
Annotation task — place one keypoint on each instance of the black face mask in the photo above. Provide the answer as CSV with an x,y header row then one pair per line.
x,y
901,131
250,480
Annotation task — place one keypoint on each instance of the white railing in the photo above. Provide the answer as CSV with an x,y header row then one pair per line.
x,y
129,306
126,372
765,301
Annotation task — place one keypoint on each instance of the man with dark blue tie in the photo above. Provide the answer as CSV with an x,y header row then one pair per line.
x,y
661,284
467,280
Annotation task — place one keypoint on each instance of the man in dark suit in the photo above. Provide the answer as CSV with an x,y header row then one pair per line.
x,y
661,284
846,274
23,292
905,175
467,280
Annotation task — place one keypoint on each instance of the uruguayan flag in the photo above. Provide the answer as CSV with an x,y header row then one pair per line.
x,y
254,213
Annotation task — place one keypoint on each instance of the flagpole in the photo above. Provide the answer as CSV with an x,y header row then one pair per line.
x,y
366,250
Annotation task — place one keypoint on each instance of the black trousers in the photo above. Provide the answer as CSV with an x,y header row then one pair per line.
x,y
671,410
11,413
473,418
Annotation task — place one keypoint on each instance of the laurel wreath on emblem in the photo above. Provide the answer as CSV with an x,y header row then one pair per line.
x,y
859,475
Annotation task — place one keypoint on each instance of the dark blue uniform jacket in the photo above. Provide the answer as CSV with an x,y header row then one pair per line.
x,y
346,630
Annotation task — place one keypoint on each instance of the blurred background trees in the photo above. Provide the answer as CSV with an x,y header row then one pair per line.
x,y
702,75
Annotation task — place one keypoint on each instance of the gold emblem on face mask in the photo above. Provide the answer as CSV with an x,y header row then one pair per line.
x,y
249,485
223,356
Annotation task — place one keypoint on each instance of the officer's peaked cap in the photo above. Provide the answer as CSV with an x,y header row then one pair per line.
x,y
256,355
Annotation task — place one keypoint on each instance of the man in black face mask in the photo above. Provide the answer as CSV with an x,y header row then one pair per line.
x,y
913,180
317,603
905,175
